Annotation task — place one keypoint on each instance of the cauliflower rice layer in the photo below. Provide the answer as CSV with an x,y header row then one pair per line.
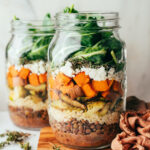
x,y
66,115
28,102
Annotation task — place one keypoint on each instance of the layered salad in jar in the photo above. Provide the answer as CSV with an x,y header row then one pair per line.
x,y
86,85
27,72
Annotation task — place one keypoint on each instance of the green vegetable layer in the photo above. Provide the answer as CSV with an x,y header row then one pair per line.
x,y
35,40
99,47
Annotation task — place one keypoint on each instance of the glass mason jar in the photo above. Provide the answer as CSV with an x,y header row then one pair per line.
x,y
86,79
26,57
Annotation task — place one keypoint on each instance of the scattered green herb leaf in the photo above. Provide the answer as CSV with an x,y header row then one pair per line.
x,y
70,10
114,57
55,147
15,18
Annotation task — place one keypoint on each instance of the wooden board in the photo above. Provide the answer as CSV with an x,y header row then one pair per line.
x,y
47,141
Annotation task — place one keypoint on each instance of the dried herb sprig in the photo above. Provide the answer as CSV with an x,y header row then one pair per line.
x,y
25,146
55,147
15,137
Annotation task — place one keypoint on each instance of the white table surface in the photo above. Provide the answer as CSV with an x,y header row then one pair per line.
x,y
6,124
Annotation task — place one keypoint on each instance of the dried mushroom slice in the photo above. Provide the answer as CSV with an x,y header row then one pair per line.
x,y
71,102
38,88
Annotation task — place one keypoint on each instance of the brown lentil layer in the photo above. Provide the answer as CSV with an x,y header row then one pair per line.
x,y
28,118
84,134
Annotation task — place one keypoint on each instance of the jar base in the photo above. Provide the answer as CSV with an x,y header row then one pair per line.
x,y
87,148
28,119
84,135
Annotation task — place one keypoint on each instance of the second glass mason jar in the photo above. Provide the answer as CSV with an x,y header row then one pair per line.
x,y
87,79
26,59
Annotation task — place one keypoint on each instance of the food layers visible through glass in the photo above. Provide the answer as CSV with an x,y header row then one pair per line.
x,y
86,80
27,72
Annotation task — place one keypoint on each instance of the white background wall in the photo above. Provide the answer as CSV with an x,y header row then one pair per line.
x,y
135,31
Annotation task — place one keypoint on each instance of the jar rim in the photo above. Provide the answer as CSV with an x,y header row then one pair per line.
x,y
110,15
105,20
31,22
28,26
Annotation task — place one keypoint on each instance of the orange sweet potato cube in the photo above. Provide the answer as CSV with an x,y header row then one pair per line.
x,y
88,90
33,79
81,79
100,86
43,78
63,79
13,71
24,72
